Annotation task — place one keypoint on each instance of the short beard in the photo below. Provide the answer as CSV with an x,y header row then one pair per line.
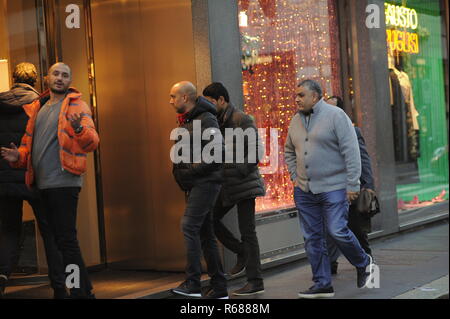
x,y
181,111
62,91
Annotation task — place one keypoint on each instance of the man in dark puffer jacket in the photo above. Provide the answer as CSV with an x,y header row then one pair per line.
x,y
242,184
13,191
200,179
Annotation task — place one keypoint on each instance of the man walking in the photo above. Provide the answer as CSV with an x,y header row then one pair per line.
x,y
13,191
242,184
54,149
323,159
358,223
201,180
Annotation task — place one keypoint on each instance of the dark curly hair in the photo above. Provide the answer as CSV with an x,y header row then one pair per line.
x,y
25,73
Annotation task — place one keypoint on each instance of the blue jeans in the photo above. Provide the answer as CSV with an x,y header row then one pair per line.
x,y
321,214
358,225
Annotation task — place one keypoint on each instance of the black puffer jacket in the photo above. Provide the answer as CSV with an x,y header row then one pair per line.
x,y
13,121
241,177
193,170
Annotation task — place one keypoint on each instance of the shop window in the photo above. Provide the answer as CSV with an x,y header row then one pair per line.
x,y
19,41
282,43
418,101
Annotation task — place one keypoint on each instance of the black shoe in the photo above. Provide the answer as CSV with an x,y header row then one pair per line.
x,y
216,294
364,275
239,268
3,281
187,289
334,267
313,293
250,289
60,293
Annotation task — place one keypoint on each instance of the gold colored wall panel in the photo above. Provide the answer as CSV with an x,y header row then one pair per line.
x,y
141,48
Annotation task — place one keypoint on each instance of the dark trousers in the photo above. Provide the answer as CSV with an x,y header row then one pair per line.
x,y
197,226
60,209
10,231
248,245
360,226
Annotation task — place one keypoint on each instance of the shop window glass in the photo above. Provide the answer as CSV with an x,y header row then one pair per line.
x,y
418,101
19,40
282,43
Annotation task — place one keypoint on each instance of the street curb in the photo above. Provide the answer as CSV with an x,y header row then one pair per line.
x,y
437,289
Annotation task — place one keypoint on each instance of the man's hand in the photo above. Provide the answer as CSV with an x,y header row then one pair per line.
x,y
370,190
75,120
10,154
351,196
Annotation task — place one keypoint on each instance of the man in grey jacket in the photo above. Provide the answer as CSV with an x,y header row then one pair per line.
x,y
323,159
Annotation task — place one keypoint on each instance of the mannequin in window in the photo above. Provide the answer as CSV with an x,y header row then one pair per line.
x,y
404,112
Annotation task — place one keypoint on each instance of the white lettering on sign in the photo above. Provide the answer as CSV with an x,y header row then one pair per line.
x,y
399,16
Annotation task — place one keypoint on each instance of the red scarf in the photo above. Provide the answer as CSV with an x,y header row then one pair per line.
x,y
181,118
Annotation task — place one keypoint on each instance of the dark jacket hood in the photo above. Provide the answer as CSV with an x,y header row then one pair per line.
x,y
19,95
202,105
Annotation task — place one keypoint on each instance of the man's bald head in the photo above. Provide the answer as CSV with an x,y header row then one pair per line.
x,y
186,88
59,78
60,65
183,96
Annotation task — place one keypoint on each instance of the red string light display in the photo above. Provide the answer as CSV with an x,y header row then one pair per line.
x,y
284,42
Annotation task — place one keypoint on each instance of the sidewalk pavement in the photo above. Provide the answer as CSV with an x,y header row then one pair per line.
x,y
413,265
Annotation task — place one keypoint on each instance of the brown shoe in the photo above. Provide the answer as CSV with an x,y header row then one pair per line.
x,y
250,289
239,268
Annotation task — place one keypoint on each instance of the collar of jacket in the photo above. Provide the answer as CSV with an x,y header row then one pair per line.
x,y
224,115
24,86
72,94
315,109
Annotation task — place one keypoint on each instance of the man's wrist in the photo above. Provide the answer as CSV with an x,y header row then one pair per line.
x,y
79,129
16,161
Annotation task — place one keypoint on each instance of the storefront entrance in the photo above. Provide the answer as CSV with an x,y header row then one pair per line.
x,y
130,207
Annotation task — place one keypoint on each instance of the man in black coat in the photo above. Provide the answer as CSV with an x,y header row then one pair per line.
x,y
197,158
360,225
242,184
13,191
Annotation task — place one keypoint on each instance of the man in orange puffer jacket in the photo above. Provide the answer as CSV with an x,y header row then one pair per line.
x,y
58,136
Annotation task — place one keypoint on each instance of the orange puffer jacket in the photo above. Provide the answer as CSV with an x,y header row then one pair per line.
x,y
73,147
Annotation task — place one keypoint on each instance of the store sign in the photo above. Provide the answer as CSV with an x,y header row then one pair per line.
x,y
399,16
403,18
403,41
